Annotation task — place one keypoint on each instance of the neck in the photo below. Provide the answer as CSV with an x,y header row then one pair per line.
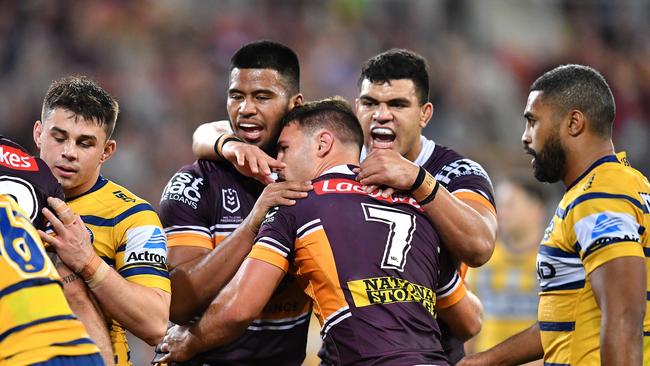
x,y
412,154
81,189
583,155
331,160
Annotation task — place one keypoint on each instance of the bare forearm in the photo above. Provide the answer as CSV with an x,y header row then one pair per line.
x,y
205,136
141,310
84,308
196,283
523,347
466,234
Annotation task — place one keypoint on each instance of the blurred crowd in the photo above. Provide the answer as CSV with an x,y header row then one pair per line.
x,y
167,61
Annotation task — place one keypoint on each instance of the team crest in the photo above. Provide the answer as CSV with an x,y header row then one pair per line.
x,y
230,200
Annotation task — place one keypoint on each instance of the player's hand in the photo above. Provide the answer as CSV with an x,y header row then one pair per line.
x,y
177,345
276,194
385,167
251,161
72,240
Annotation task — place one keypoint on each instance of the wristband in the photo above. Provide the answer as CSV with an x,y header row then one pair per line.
x,y
427,188
222,140
100,274
89,269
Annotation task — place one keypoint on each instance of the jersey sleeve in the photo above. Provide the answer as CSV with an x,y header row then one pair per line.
x,y
184,210
451,287
142,253
467,180
275,241
605,226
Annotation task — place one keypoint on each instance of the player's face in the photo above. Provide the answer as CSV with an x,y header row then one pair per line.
x,y
392,117
257,99
541,139
517,211
298,151
73,148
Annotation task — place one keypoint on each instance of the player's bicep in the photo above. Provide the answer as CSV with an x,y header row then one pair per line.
x,y
179,255
626,297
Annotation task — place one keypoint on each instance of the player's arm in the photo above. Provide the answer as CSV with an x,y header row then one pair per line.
x,y
623,305
77,295
465,317
228,315
523,347
144,311
466,226
248,159
197,274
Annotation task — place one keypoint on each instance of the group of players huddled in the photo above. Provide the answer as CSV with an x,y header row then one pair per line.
x,y
298,206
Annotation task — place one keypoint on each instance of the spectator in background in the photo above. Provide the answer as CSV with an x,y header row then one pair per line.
x,y
507,284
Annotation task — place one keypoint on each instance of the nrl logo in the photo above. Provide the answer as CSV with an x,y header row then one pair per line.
x,y
230,200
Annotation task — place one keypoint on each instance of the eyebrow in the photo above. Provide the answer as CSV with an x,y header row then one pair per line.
x,y
528,115
256,91
64,132
394,100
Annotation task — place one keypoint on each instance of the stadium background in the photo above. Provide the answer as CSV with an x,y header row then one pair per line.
x,y
167,63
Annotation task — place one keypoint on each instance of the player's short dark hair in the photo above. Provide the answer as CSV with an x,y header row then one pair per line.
x,y
398,64
583,88
270,55
334,114
83,97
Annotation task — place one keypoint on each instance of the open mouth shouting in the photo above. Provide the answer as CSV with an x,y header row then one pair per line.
x,y
382,137
250,131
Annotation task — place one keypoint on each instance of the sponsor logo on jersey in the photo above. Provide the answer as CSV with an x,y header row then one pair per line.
x,y
230,200
146,244
349,186
270,216
22,192
184,187
389,290
548,231
606,225
646,200
121,195
460,168
16,159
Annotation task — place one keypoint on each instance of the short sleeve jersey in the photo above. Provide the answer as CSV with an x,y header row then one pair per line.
x,y
602,216
27,179
36,323
202,204
126,233
371,266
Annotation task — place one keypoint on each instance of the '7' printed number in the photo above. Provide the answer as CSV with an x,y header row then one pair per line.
x,y
401,227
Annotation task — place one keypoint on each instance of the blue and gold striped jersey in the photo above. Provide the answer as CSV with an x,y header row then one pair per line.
x,y
602,216
36,323
126,233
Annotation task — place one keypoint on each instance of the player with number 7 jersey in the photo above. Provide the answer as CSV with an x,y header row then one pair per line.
x,y
367,263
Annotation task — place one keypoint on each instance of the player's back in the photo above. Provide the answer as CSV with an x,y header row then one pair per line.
x,y
36,323
27,179
372,269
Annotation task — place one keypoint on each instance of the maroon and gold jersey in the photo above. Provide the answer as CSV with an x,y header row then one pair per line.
x,y
371,266
202,204
27,179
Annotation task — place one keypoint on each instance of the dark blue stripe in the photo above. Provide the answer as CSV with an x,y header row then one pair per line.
x,y
35,322
556,364
596,195
27,283
567,286
100,221
557,326
101,181
109,261
121,248
144,271
647,296
646,334
74,343
646,251
556,252
604,159
595,247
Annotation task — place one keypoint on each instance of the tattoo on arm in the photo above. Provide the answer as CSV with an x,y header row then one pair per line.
x,y
54,258
70,278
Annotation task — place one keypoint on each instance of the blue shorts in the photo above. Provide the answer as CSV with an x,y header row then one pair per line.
x,y
86,360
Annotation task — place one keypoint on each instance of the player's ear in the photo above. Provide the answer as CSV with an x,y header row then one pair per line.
x,y
576,123
297,101
38,129
425,114
325,142
109,150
